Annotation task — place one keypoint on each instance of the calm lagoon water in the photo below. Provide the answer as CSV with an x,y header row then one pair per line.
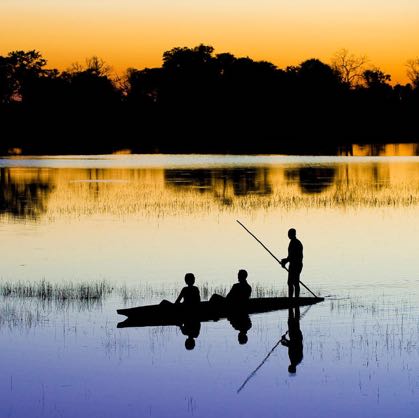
x,y
141,222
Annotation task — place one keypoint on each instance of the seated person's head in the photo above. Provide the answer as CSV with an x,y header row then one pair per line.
x,y
242,276
189,343
242,337
189,279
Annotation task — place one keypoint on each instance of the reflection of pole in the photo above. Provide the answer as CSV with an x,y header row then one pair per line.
x,y
257,368
270,252
268,355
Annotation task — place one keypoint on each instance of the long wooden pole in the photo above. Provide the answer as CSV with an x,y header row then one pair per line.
x,y
270,252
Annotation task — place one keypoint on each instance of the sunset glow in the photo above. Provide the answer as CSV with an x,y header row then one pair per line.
x,y
134,33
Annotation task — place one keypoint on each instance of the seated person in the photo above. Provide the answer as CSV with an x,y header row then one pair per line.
x,y
190,293
241,291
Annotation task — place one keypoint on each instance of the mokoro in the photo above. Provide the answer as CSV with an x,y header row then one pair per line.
x,y
171,314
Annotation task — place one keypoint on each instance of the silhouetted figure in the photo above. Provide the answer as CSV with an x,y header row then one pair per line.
x,y
241,291
238,294
190,293
295,260
242,323
294,341
191,329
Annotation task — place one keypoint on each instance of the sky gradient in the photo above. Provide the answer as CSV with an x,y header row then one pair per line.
x,y
134,33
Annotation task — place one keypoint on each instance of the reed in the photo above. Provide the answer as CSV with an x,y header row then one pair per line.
x,y
56,291
95,291
148,292
21,315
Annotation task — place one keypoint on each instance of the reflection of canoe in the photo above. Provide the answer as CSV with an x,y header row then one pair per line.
x,y
170,314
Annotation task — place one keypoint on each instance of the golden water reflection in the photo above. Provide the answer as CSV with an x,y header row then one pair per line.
x,y
383,150
31,193
24,193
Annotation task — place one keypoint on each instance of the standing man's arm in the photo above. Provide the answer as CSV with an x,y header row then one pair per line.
x,y
284,261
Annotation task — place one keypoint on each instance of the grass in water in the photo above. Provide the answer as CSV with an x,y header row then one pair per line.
x,y
21,315
56,291
153,293
96,291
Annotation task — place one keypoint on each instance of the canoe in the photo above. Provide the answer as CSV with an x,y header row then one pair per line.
x,y
171,314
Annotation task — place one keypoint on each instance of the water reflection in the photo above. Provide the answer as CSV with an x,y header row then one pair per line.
x,y
380,150
24,196
360,352
311,180
56,193
223,184
241,322
294,342
191,329
354,352
22,314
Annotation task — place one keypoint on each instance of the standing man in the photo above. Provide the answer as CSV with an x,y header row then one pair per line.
x,y
295,259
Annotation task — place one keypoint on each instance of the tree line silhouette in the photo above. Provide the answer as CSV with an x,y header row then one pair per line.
x,y
199,101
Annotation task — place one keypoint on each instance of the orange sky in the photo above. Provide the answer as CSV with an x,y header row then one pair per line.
x,y
134,33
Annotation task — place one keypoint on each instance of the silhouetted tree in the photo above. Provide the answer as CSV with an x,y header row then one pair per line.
x,y
90,86
376,78
143,87
7,82
413,71
316,101
25,69
349,67
200,101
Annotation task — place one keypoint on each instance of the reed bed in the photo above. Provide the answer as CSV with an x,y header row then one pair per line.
x,y
99,290
26,305
148,193
21,315
148,292
56,291
153,202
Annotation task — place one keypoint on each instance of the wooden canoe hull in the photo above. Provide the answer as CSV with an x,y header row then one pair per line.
x,y
171,314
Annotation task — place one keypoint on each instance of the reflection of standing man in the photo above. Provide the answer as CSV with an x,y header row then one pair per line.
x,y
295,341
295,258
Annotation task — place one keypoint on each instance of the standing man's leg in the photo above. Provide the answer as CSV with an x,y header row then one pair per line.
x,y
294,280
297,273
290,284
297,288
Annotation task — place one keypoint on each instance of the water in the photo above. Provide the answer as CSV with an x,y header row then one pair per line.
x,y
141,222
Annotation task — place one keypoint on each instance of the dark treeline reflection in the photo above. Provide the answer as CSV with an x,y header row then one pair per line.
x,y
312,179
23,198
222,182
247,181
199,101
